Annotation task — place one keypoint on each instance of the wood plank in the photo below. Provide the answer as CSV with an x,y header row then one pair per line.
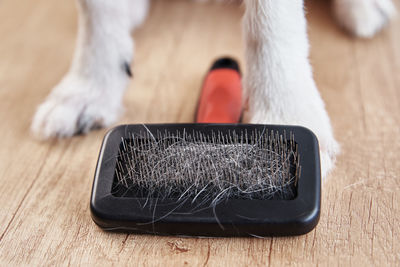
x,y
45,218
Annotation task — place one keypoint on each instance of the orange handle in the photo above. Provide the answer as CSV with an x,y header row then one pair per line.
x,y
221,95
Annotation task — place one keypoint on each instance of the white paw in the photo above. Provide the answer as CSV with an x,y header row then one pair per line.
x,y
304,110
364,18
75,106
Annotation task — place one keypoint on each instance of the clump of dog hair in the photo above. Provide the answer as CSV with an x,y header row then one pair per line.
x,y
207,167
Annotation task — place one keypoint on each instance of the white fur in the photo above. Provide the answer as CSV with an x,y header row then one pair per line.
x,y
90,94
279,87
364,18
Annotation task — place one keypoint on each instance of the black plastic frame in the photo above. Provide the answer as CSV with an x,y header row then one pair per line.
x,y
230,218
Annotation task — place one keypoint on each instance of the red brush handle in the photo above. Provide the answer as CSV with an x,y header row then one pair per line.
x,y
221,95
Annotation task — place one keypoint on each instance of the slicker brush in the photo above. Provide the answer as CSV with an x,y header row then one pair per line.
x,y
214,178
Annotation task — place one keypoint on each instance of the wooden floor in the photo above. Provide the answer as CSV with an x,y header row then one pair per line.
x,y
45,187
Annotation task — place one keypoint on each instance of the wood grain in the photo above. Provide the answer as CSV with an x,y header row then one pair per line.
x,y
45,186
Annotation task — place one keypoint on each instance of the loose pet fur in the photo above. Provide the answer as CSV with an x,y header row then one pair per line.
x,y
279,85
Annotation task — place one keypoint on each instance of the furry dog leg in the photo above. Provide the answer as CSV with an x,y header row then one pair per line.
x,y
279,87
90,94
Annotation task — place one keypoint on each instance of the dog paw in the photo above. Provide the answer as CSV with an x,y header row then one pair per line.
x,y
363,18
75,106
307,112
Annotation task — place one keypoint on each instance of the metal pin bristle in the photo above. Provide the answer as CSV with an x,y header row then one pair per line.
x,y
215,166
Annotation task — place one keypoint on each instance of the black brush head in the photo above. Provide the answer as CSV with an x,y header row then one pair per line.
x,y
208,180
226,63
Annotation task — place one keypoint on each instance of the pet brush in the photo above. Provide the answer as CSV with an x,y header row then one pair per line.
x,y
208,179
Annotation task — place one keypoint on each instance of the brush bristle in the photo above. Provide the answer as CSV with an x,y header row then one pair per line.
x,y
209,167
